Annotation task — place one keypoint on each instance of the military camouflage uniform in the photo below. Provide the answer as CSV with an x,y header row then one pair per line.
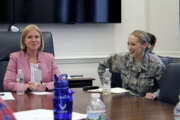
x,y
139,77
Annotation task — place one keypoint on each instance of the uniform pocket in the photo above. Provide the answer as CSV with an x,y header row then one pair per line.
x,y
146,83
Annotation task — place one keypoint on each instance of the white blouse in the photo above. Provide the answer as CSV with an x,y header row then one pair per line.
x,y
36,75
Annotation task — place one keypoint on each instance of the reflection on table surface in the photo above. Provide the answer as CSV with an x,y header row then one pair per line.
x,y
119,106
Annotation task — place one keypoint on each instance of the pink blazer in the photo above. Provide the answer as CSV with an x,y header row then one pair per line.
x,y
20,60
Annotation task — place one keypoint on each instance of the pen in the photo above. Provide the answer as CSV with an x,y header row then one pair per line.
x,y
1,94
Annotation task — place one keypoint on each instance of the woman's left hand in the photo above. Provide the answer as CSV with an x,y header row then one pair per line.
x,y
150,96
41,87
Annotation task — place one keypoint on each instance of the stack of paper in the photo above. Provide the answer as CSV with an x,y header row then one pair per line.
x,y
41,93
6,96
113,90
43,114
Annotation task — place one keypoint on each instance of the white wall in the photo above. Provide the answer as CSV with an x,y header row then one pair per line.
x,y
81,40
163,21
78,46
133,17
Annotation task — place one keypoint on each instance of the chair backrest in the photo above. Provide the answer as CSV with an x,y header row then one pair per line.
x,y
166,60
170,84
116,79
10,42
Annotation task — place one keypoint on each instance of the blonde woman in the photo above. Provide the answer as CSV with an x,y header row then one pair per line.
x,y
29,59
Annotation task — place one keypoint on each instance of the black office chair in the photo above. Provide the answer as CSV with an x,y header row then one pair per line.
x,y
166,60
170,84
10,42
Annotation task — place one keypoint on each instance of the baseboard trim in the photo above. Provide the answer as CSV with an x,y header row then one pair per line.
x,y
79,60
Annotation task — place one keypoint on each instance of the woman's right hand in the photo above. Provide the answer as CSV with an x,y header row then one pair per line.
x,y
32,86
150,96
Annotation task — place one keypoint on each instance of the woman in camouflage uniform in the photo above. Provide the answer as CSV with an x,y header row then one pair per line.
x,y
140,70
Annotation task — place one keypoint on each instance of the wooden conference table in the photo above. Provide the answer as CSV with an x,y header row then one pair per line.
x,y
119,106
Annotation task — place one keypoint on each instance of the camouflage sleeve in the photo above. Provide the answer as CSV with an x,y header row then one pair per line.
x,y
113,63
106,63
160,69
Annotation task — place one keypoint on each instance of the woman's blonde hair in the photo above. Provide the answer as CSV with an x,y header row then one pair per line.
x,y
142,36
24,33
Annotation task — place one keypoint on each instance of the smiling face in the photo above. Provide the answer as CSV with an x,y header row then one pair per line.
x,y
32,41
136,48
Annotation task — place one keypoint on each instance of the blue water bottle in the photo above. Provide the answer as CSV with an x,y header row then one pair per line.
x,y
62,98
70,104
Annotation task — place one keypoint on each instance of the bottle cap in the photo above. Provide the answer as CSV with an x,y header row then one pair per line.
x,y
61,81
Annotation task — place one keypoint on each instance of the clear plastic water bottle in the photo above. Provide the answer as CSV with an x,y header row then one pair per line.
x,y
20,82
177,111
107,82
96,109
